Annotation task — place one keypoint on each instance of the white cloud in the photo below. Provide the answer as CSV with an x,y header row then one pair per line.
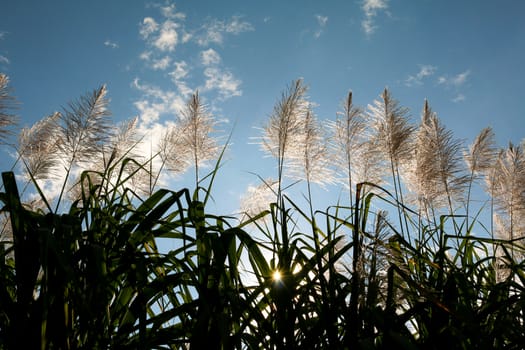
x,y
370,6
214,30
368,26
223,81
321,21
146,55
148,113
154,63
461,78
147,89
424,72
111,44
168,11
212,35
186,37
168,37
156,102
236,25
148,27
162,35
181,70
4,59
178,75
162,63
456,80
183,88
370,9
210,57
148,148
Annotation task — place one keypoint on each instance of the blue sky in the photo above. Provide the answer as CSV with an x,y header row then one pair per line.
x,y
465,56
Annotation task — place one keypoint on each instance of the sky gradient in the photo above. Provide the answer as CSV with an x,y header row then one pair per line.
x,y
465,57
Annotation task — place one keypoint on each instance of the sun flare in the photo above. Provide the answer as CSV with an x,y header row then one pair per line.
x,y
276,276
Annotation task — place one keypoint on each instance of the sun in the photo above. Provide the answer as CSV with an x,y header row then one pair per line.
x,y
276,275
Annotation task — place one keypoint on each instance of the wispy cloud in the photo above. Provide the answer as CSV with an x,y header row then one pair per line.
x,y
2,35
455,80
169,11
223,82
210,57
181,70
161,36
321,21
168,36
146,55
371,8
459,98
186,36
165,33
214,30
236,25
425,70
454,83
111,44
156,102
154,61
161,63
148,27
178,77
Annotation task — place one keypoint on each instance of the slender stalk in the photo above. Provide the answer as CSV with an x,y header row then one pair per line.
x,y
348,142
196,128
354,323
7,102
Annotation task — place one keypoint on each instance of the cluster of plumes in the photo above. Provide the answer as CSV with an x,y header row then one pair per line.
x,y
435,172
58,148
425,164
61,149
64,143
296,139
379,145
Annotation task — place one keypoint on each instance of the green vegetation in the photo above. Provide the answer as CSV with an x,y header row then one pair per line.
x,y
82,269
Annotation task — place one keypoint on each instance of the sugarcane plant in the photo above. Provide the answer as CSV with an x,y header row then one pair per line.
x,y
96,252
